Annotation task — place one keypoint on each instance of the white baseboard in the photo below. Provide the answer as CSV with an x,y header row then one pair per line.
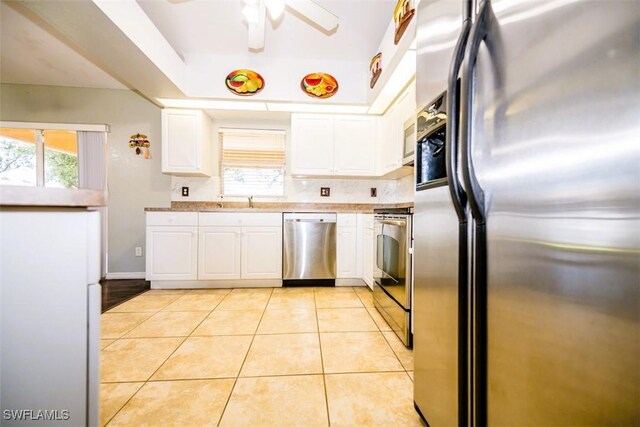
x,y
126,275
214,284
350,282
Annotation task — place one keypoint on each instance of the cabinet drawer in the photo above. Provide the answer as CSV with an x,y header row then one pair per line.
x,y
347,219
172,218
223,219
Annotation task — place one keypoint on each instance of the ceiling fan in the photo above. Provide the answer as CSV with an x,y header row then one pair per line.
x,y
255,13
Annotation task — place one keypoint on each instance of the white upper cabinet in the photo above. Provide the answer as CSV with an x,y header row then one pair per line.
x,y
406,106
326,144
391,137
311,144
391,141
186,143
354,145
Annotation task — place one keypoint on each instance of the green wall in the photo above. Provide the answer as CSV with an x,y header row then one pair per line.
x,y
133,183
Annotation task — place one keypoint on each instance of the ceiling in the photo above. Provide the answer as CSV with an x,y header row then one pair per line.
x,y
32,55
216,27
185,48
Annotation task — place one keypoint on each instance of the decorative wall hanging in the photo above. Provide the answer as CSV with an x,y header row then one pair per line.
x,y
139,140
375,67
244,82
402,15
319,85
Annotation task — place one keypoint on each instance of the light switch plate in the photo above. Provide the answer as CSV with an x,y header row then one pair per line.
x,y
374,192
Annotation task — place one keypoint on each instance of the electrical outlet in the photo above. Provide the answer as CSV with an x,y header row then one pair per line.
x,y
185,191
325,191
138,251
374,192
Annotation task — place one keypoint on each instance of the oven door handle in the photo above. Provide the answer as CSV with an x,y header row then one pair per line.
x,y
399,223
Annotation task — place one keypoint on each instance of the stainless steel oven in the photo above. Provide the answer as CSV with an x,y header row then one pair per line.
x,y
393,284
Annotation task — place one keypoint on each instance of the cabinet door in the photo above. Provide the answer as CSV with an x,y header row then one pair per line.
x,y
180,141
354,145
347,256
407,104
367,256
262,253
186,143
219,253
311,144
392,141
172,253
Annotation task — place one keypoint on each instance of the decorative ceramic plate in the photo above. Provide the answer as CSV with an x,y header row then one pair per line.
x,y
375,67
244,82
319,85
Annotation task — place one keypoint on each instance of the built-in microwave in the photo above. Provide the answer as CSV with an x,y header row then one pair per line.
x,y
409,143
431,144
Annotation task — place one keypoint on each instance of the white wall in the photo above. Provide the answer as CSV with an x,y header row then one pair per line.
x,y
133,183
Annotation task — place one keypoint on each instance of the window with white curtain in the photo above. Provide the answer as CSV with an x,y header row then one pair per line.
x,y
252,162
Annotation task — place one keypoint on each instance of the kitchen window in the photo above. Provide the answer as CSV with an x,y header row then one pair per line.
x,y
252,162
39,157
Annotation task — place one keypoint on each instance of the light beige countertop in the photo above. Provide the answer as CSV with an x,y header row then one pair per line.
x,y
276,207
11,195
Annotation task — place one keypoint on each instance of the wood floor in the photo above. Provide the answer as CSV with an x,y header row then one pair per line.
x,y
115,292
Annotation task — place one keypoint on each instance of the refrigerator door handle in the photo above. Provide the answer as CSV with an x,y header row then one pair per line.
x,y
478,34
452,136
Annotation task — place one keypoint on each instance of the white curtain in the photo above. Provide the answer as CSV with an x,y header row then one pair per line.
x,y
92,173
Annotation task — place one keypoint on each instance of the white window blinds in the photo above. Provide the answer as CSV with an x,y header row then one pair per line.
x,y
252,162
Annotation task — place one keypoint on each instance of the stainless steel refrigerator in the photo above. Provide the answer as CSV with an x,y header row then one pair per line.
x,y
527,254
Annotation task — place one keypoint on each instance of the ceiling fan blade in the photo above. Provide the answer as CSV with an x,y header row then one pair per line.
x,y
315,13
256,29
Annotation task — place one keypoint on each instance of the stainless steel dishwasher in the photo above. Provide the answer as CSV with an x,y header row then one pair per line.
x,y
309,248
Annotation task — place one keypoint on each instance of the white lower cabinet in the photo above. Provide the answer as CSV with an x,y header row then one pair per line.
x,y
172,253
261,253
347,247
213,246
219,253
367,256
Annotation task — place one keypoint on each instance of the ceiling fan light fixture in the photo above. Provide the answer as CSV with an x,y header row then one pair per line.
x,y
275,8
251,12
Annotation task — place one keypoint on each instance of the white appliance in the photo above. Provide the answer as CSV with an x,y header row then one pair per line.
x,y
50,316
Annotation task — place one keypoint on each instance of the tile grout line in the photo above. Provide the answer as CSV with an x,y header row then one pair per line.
x,y
385,338
324,378
224,409
313,374
145,382
154,372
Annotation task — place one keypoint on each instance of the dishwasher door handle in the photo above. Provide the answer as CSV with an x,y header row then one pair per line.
x,y
309,220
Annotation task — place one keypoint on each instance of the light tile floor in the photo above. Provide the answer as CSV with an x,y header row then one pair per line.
x,y
254,357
